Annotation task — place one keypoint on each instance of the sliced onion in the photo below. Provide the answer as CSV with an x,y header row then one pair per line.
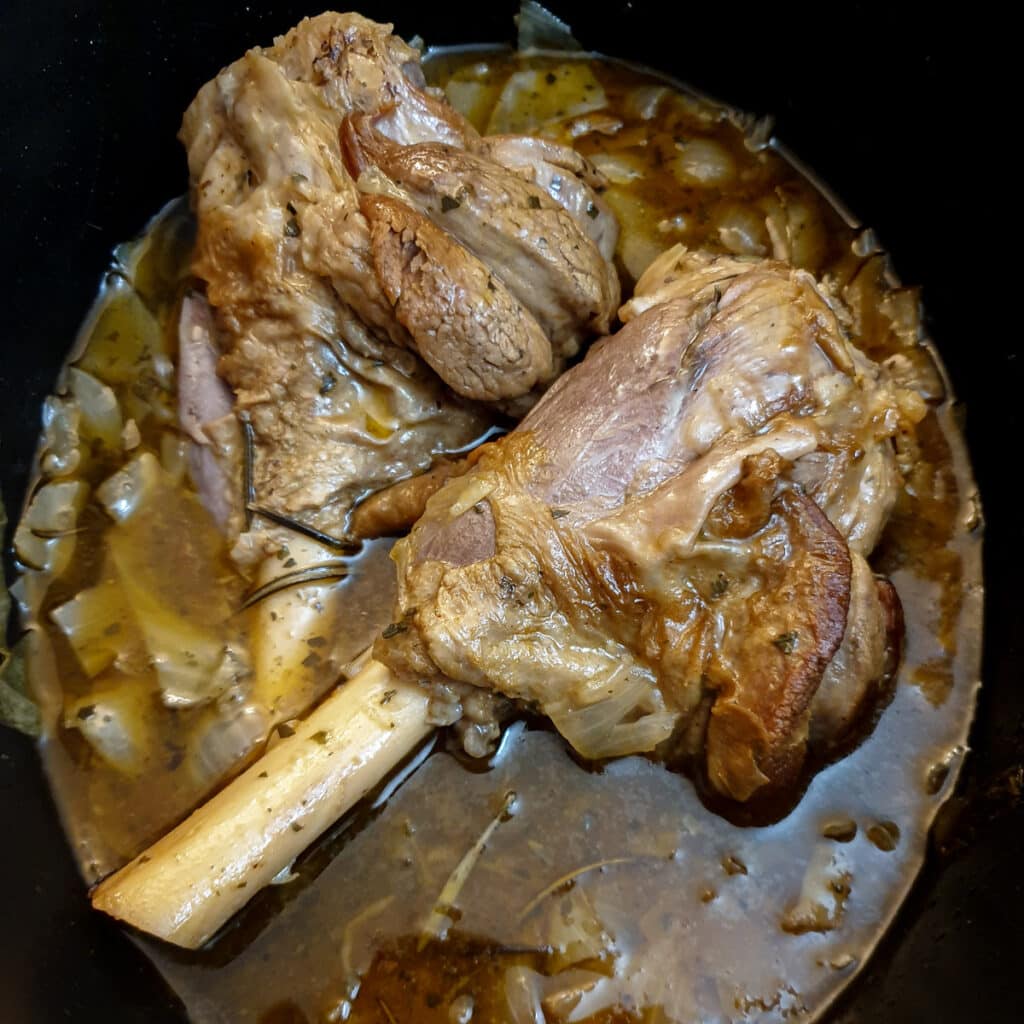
x,y
522,996
45,537
123,337
703,163
742,230
174,455
530,100
223,738
619,168
101,415
796,231
130,487
472,98
100,627
61,420
183,620
117,723
643,102
613,716
638,246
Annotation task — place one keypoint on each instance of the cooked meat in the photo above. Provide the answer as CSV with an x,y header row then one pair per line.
x,y
202,396
393,511
530,241
324,298
638,558
865,660
206,414
777,643
546,163
462,319
855,484
311,346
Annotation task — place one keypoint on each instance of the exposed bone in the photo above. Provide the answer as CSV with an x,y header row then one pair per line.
x,y
185,886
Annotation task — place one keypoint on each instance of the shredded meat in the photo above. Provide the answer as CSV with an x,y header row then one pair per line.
x,y
649,560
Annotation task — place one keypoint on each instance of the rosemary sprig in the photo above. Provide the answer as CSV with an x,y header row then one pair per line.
x,y
323,571
347,544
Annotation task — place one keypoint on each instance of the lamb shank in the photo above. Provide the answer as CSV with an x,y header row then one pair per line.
x,y
669,553
353,230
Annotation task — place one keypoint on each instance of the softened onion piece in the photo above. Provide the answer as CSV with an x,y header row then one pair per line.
x,y
637,248
644,100
522,996
535,99
741,230
472,98
229,731
61,423
626,714
185,619
292,635
703,163
619,168
116,722
100,413
100,626
45,537
189,883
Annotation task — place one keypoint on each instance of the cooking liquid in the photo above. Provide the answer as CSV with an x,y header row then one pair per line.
x,y
610,894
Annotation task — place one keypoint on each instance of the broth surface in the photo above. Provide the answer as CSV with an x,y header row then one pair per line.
x,y
584,895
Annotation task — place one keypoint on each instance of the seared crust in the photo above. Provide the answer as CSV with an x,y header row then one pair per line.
x,y
539,249
394,509
462,319
775,651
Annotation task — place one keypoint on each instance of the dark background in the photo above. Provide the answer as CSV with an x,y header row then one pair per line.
x,y
901,110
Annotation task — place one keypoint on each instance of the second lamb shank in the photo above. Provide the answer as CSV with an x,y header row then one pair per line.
x,y
669,553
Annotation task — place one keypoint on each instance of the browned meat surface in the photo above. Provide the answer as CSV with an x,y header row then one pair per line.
x,y
463,320
393,510
534,244
663,555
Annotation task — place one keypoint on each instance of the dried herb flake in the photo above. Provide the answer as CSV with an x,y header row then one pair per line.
x,y
787,642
